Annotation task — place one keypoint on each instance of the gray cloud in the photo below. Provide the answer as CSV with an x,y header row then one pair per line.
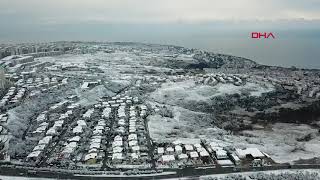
x,y
155,11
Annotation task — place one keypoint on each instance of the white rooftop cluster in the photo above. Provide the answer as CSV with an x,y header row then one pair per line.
x,y
213,79
117,149
116,101
11,97
124,116
86,85
180,77
72,143
220,154
42,117
182,153
5,99
95,142
37,82
73,105
41,128
88,113
37,150
3,118
79,128
4,137
106,112
21,92
133,138
58,123
143,111
20,82
59,105
64,81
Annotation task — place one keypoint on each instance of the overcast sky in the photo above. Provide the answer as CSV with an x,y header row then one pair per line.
x,y
216,25
153,11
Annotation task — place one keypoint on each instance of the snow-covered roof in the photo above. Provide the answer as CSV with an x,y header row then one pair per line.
x,y
69,148
188,147
43,124
194,154
90,156
106,112
121,129
40,129
51,131
183,156
221,153
197,145
34,154
77,129
133,143
117,149
93,150
81,123
58,123
45,140
121,122
135,148
101,122
178,148
39,147
99,127
170,149
117,143
132,137
94,145
41,117
88,113
97,132
225,162
118,138
160,150
204,153
200,149
255,152
85,85
75,139
134,156
235,157
168,158
96,140
72,144
117,156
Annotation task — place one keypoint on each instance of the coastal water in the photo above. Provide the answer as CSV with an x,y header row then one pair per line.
x,y
294,45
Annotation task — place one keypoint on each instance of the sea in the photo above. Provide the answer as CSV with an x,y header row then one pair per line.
x,y
295,43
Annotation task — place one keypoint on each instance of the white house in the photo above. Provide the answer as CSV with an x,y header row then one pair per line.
x,y
254,152
167,158
178,149
160,150
221,154
194,154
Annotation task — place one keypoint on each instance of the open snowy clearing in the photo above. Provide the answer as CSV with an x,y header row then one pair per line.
x,y
182,92
279,140
247,174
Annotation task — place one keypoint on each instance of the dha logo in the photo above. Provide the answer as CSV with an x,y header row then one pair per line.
x,y
259,35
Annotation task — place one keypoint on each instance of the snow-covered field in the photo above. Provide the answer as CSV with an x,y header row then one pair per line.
x,y
276,172
175,92
279,140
